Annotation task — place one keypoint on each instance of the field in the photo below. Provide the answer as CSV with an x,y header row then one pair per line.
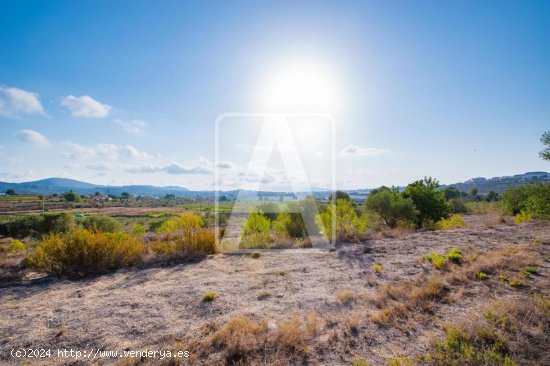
x,y
380,299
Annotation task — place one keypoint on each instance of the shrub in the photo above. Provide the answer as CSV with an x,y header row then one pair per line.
x,y
531,199
82,252
478,346
281,225
452,222
183,224
57,223
17,246
429,202
37,225
457,205
194,243
241,337
209,296
437,260
516,282
72,197
391,206
481,275
139,229
530,270
264,295
105,224
522,217
256,232
346,296
348,223
454,255
360,362
377,268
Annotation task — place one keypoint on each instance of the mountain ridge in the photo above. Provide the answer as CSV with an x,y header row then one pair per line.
x,y
62,185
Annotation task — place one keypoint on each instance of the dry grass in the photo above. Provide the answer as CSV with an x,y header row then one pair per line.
x,y
240,337
346,296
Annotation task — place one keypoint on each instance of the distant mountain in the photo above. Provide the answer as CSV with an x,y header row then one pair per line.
x,y
500,184
62,185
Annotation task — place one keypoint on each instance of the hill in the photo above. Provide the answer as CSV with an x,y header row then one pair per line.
x,y
500,184
61,185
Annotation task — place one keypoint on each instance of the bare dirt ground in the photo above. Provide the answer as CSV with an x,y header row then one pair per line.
x,y
155,307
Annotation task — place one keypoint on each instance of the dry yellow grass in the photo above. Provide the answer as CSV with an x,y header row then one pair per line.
x,y
346,296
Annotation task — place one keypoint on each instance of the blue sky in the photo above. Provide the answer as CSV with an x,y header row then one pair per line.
x,y
128,92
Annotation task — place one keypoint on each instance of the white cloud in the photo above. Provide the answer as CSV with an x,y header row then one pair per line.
x,y
109,151
100,166
225,165
221,164
15,102
173,168
79,152
135,153
134,126
33,138
85,106
353,150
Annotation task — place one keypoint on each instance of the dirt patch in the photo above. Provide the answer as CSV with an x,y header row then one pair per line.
x,y
156,307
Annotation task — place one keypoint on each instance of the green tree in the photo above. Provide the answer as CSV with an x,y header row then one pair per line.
x,y
348,223
492,196
532,199
428,200
339,195
451,192
11,192
257,223
391,206
105,224
125,195
545,139
72,197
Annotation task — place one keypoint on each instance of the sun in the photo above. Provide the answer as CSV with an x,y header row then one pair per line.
x,y
301,86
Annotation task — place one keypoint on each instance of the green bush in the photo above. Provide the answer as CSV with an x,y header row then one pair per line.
x,y
106,224
57,223
391,206
257,223
429,202
184,224
139,229
209,296
479,346
454,255
522,217
17,246
82,253
281,224
457,205
349,225
439,261
37,225
531,199
452,222
72,197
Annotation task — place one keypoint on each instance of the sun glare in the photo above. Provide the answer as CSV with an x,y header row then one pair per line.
x,y
301,86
